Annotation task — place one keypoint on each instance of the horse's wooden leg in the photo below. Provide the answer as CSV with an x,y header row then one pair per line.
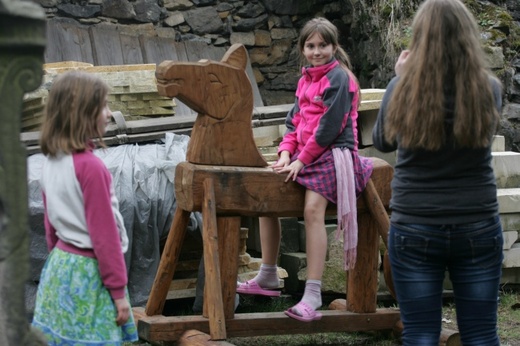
x,y
169,258
228,229
378,212
212,288
229,242
362,280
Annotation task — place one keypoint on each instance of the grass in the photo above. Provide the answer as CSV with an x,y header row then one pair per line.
x,y
508,323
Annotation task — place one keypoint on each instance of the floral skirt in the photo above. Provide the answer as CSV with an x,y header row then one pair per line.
x,y
74,308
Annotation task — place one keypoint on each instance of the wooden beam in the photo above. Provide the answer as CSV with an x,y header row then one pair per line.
x,y
171,328
253,199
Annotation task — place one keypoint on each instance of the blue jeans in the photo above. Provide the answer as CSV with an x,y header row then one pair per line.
x,y
472,254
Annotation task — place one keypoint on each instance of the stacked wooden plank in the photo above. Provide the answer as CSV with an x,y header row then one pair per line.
x,y
133,91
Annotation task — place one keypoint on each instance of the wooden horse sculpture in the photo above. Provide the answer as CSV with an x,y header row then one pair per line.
x,y
225,178
224,106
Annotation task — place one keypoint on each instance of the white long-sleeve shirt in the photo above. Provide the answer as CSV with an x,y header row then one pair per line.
x,y
82,214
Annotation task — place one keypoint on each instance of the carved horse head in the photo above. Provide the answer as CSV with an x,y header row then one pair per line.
x,y
221,94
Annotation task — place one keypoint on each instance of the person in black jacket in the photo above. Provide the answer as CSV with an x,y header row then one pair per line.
x,y
440,113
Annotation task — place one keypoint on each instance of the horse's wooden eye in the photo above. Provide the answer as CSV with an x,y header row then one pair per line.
x,y
213,78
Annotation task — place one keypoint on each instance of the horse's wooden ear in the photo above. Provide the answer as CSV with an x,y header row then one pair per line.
x,y
236,56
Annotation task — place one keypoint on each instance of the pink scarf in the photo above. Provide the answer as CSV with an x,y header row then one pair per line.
x,y
347,208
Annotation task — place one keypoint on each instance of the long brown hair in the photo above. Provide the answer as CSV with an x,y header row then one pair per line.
x,y
445,56
75,102
329,33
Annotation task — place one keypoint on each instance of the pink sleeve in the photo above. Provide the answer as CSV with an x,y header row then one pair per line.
x,y
290,141
50,232
95,181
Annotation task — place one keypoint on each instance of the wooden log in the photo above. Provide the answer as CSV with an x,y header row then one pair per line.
x,y
170,328
212,289
194,337
169,258
338,304
448,337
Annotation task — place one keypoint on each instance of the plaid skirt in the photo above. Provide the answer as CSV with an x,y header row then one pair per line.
x,y
74,308
320,175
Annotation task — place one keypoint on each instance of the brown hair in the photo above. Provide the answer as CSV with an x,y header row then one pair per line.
x,y
445,56
329,33
75,102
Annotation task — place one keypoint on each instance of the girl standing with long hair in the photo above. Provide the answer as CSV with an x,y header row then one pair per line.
x,y
440,113
82,297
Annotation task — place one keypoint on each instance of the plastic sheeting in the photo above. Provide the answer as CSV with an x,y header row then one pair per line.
x,y
143,179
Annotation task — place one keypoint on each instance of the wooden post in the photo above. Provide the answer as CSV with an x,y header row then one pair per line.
x,y
229,242
212,288
378,212
362,280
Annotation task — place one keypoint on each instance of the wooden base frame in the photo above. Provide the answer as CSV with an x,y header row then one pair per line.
x,y
223,194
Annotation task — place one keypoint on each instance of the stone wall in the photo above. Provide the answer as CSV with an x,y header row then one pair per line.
x,y
373,32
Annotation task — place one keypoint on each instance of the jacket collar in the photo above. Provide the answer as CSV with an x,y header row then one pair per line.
x,y
316,73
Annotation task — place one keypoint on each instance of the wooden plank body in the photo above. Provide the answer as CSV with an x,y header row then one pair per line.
x,y
257,191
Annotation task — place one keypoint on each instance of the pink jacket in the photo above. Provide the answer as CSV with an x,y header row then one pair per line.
x,y
325,113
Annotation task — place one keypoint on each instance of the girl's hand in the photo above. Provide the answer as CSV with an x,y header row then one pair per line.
x,y
399,65
283,161
123,311
293,169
